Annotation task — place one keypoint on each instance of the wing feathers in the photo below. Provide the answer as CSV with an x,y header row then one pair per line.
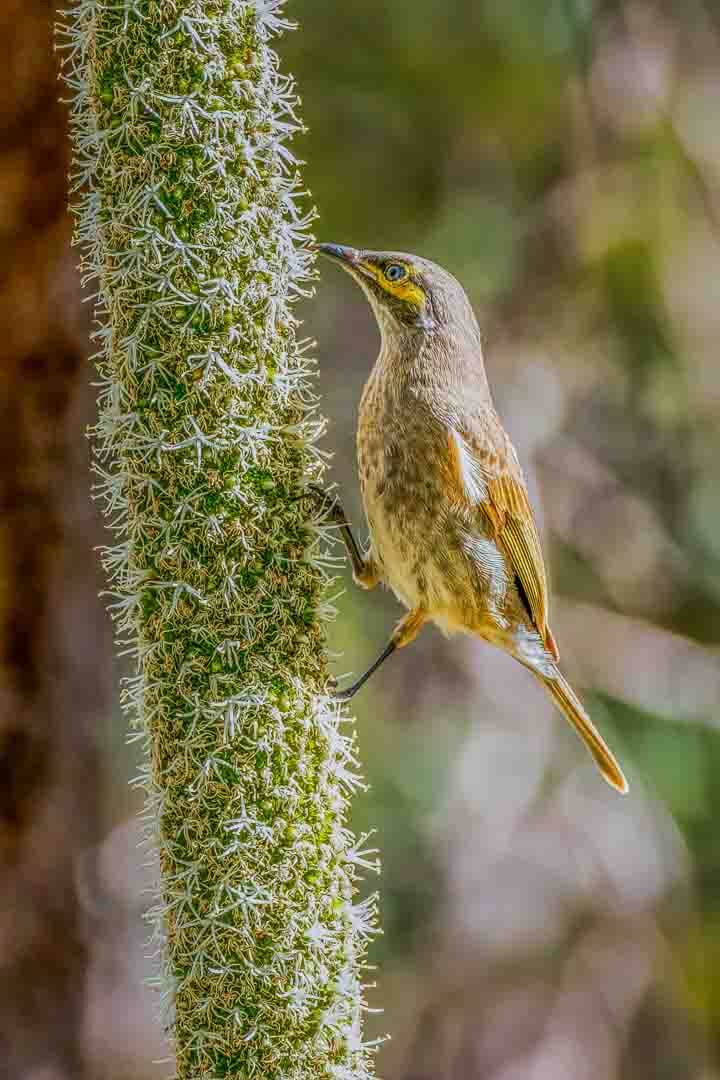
x,y
468,472
490,478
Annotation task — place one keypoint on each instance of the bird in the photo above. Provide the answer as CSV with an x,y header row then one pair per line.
x,y
451,526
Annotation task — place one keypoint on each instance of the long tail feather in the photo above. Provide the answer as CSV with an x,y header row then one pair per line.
x,y
567,701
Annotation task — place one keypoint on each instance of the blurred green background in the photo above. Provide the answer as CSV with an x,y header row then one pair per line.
x,y
562,158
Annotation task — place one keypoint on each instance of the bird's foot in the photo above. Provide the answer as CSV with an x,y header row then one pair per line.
x,y
328,504
335,694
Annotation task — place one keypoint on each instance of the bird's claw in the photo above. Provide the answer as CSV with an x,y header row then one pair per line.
x,y
339,695
344,695
330,505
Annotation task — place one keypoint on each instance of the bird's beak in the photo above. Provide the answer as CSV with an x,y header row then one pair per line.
x,y
350,257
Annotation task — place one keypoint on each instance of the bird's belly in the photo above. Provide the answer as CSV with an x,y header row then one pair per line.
x,y
424,562
430,560
397,555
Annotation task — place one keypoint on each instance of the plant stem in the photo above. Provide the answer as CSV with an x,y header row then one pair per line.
x,y
190,227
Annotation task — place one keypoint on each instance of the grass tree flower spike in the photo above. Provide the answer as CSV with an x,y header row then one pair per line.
x,y
188,218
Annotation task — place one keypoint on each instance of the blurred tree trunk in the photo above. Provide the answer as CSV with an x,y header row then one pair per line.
x,y
50,662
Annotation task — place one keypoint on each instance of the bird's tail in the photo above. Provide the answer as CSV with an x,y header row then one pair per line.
x,y
567,701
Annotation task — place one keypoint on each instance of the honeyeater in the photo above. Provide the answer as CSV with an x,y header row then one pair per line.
x,y
452,531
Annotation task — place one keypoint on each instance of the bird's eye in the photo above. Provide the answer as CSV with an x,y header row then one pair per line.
x,y
395,272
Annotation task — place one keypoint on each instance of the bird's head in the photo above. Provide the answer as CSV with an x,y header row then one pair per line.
x,y
407,293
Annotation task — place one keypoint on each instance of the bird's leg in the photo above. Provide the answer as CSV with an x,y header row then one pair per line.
x,y
406,631
365,571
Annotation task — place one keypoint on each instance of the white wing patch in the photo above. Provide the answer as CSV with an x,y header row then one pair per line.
x,y
530,649
491,564
471,473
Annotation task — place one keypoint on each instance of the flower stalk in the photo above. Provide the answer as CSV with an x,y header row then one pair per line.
x,y
187,214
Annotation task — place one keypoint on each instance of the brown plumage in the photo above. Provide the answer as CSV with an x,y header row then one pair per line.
x,y
451,526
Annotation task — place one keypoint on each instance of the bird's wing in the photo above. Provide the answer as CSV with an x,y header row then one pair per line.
x,y
486,472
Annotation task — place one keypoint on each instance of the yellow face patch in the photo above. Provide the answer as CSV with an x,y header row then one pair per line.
x,y
405,289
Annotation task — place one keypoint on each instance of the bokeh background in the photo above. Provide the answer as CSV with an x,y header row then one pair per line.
x,y
562,158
